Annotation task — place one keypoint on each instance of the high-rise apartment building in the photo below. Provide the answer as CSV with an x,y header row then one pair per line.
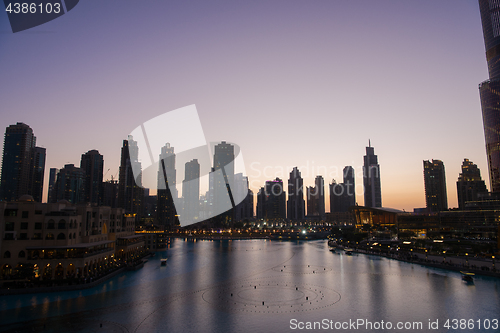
x,y
371,178
130,192
69,184
38,155
470,186
23,164
436,198
166,194
275,200
244,209
191,191
92,163
343,195
296,207
316,198
52,181
490,90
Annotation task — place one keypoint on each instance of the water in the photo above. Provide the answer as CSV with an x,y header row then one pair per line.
x,y
261,286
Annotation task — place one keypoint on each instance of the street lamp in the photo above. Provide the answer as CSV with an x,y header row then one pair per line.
x,y
466,259
493,258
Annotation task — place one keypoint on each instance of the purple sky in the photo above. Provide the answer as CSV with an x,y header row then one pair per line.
x,y
294,83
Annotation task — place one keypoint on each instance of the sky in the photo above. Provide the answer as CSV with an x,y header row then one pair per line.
x,y
292,83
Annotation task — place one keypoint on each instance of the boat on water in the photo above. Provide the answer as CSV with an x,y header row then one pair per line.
x,y
163,262
467,276
348,251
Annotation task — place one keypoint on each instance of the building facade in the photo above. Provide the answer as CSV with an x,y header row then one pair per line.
x,y
57,241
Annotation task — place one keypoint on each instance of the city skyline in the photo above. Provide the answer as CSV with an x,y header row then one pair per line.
x,y
309,65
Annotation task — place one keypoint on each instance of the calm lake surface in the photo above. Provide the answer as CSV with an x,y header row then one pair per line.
x,y
262,286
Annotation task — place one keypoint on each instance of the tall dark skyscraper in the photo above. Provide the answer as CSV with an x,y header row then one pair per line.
x,y
191,191
470,186
223,179
70,184
275,200
130,192
223,160
165,211
52,180
92,163
342,195
436,198
296,206
244,209
23,164
38,155
371,178
316,198
490,90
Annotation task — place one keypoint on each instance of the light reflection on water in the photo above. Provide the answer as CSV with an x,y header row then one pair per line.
x,y
211,286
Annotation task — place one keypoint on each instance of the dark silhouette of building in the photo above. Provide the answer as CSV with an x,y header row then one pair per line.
x,y
52,181
371,178
316,198
244,209
271,201
223,162
435,186
166,211
38,155
191,191
470,186
110,193
23,164
296,206
69,184
490,90
92,163
342,195
130,192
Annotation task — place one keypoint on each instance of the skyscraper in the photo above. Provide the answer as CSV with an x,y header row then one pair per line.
x,y
244,209
222,180
470,186
23,164
69,184
342,195
165,211
490,90
435,186
296,206
316,198
223,160
275,200
37,172
130,192
371,178
92,163
52,180
191,191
